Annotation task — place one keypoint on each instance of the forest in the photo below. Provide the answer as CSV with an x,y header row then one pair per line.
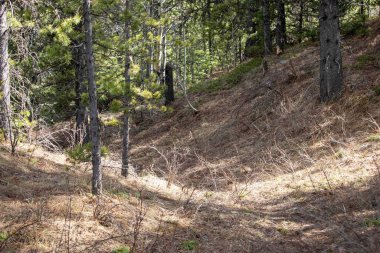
x,y
131,126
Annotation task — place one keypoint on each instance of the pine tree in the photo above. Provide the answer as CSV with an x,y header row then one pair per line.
x,y
280,26
94,117
5,95
127,79
267,29
331,69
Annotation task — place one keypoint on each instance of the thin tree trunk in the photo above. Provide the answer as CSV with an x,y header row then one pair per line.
x,y
169,82
4,75
300,21
280,27
331,69
94,117
209,35
362,9
81,110
267,31
127,77
162,58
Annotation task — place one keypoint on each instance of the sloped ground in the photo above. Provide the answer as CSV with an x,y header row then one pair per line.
x,y
262,167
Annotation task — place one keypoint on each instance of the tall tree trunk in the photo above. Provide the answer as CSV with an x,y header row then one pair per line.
x,y
169,93
127,79
331,69
267,31
162,58
210,35
97,186
252,29
362,9
5,95
280,26
300,21
81,133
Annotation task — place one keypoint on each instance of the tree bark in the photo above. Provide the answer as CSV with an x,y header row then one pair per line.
x,y
94,117
300,21
267,31
169,93
280,27
331,69
81,133
127,80
5,95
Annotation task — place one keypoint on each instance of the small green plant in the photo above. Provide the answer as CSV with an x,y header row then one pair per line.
x,y
208,194
377,90
2,139
33,161
190,245
3,236
82,153
339,155
227,80
365,60
120,193
124,249
116,105
104,150
355,26
112,122
372,222
283,231
373,138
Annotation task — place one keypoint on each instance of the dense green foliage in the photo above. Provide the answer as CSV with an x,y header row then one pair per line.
x,y
201,37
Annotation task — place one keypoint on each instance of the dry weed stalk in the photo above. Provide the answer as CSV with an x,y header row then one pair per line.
x,y
102,212
36,216
374,125
173,158
137,224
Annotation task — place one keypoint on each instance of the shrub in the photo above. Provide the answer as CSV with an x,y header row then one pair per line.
x,y
115,105
355,26
377,90
124,249
372,222
365,60
189,245
227,80
120,193
82,153
112,122
3,236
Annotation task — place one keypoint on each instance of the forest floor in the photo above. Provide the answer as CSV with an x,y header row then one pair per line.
x,y
261,167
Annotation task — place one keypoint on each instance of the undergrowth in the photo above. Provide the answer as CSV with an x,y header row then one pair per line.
x,y
355,26
122,250
227,80
189,245
365,60
82,153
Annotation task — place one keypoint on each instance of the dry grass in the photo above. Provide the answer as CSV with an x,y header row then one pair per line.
x,y
263,167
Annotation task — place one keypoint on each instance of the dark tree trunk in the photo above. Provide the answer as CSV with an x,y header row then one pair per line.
x,y
81,133
280,27
127,79
169,93
300,21
331,69
97,186
267,31
362,9
4,73
210,36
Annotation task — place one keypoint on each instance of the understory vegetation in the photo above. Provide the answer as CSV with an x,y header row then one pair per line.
x,y
135,126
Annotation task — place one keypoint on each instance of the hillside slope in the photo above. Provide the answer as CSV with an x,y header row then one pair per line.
x,y
262,167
